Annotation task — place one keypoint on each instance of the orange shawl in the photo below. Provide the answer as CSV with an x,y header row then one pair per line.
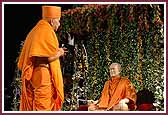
x,y
116,89
41,41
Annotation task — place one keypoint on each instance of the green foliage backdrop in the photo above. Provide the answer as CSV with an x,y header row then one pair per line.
x,y
129,34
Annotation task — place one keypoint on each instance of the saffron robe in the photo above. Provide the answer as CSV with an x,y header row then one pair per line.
x,y
116,89
41,42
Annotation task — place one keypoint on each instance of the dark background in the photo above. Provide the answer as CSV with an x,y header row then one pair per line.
x,y
19,19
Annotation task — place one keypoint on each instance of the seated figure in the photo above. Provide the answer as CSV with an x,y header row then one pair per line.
x,y
118,93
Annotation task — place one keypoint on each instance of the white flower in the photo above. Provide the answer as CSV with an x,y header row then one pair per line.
x,y
157,87
155,104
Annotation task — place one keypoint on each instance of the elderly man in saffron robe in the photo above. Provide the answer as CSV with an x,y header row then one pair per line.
x,y
42,82
118,93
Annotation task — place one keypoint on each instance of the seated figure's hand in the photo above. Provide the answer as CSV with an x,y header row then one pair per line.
x,y
92,102
122,105
92,105
125,100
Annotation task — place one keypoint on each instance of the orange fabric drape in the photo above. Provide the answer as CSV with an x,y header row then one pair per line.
x,y
41,42
116,89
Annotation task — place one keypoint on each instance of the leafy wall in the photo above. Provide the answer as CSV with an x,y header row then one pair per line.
x,y
130,34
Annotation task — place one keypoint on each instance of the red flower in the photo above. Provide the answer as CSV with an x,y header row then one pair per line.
x,y
145,107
